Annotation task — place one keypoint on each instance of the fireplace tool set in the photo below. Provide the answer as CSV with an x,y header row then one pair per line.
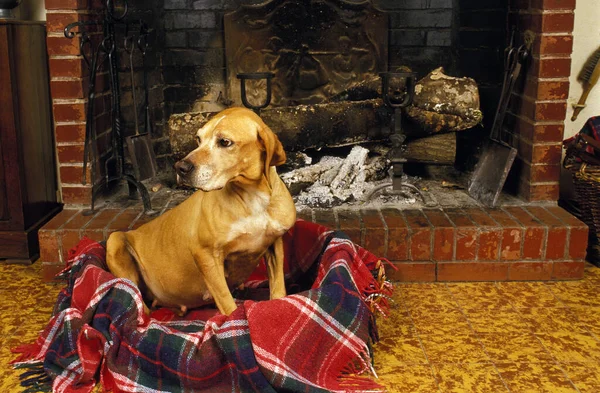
x,y
98,55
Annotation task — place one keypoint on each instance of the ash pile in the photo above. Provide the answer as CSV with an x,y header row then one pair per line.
x,y
344,176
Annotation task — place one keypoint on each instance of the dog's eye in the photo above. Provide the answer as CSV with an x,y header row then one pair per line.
x,y
225,142
198,140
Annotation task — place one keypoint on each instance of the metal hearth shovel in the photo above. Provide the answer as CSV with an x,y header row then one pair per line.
x,y
498,156
140,145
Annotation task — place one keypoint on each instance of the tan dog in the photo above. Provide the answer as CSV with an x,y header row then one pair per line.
x,y
193,254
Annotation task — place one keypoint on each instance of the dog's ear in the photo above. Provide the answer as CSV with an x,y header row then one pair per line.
x,y
274,153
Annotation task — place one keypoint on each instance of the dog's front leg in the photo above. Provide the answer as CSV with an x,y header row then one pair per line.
x,y
274,259
213,270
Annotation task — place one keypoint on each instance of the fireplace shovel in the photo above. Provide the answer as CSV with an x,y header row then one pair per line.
x,y
498,156
140,145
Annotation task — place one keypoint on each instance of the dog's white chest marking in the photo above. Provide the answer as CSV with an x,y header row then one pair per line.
x,y
258,224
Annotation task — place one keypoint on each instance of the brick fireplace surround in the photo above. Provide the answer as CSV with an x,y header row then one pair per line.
x,y
533,241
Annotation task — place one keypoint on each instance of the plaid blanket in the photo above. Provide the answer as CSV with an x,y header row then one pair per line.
x,y
591,128
316,339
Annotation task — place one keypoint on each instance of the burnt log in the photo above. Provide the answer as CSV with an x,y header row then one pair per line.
x,y
444,103
300,127
370,88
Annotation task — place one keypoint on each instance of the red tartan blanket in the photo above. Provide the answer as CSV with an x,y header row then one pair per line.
x,y
316,339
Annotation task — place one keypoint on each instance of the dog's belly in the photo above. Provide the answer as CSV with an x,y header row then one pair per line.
x,y
183,286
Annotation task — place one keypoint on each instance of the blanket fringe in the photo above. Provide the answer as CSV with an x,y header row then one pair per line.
x,y
34,378
360,384
27,353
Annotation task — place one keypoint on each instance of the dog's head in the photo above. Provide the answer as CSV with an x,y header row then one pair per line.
x,y
234,145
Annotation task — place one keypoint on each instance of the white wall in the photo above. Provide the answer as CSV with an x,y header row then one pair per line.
x,y
586,40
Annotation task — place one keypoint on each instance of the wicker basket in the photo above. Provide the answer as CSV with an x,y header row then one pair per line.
x,y
586,181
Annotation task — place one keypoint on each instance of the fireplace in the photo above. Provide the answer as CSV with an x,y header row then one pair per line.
x,y
190,73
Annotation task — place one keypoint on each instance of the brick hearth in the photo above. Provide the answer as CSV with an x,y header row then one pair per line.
x,y
511,243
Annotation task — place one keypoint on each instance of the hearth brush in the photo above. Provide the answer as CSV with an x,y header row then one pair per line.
x,y
589,76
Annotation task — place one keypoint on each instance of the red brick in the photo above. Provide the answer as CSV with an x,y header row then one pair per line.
x,y
539,192
539,133
78,221
60,219
349,223
552,90
565,216
50,270
96,228
490,236
60,46
73,174
472,271
512,235
66,4
480,217
49,246
412,272
557,232
540,173
57,21
443,235
467,237
69,238
530,271
325,218
558,22
68,112
553,44
553,67
420,235
67,67
68,88
70,133
72,154
375,232
556,246
535,233
541,154
489,244
398,234
578,233
550,111
124,220
542,111
578,242
568,270
305,215
77,194
553,4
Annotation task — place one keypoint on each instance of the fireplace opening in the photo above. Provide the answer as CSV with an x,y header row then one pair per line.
x,y
326,101
324,59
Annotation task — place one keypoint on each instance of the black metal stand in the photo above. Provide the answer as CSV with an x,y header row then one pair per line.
x,y
95,58
255,76
397,136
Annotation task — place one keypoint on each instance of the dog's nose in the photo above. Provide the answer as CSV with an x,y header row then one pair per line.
x,y
183,167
